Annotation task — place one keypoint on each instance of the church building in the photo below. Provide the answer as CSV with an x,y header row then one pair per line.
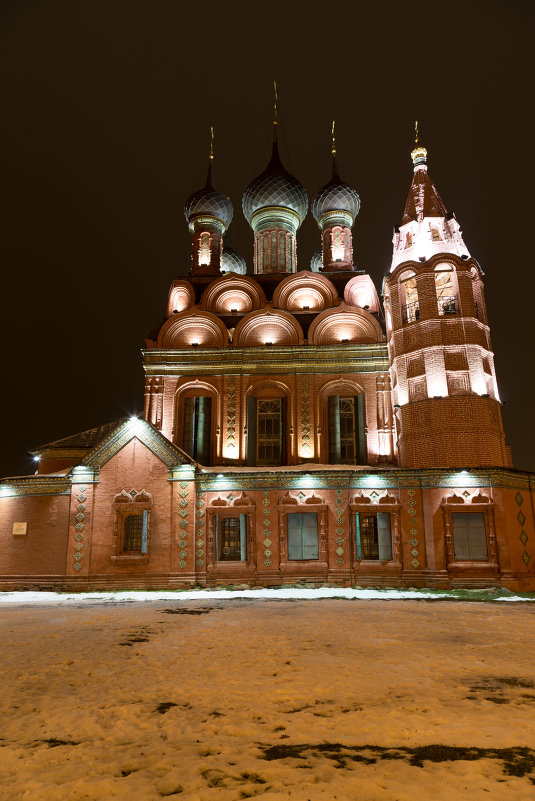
x,y
298,427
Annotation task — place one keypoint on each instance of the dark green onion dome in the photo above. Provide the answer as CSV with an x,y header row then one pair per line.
x,y
209,202
232,262
335,196
316,262
275,187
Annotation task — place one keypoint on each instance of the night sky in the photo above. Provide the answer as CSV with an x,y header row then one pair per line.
x,y
106,111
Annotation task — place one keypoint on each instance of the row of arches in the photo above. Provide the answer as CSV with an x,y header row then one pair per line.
x,y
300,292
269,326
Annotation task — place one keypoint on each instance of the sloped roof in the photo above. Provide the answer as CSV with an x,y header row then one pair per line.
x,y
423,199
83,440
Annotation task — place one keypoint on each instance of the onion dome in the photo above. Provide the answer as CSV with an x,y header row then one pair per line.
x,y
316,262
232,262
275,187
208,202
335,196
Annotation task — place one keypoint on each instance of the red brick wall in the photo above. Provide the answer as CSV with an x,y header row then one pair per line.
x,y
43,550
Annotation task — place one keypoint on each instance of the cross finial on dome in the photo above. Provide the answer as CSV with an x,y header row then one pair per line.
x,y
419,153
333,141
211,156
275,110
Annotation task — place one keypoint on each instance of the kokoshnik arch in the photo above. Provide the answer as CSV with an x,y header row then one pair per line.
x,y
295,428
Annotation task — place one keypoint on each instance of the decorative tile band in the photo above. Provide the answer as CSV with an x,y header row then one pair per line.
x,y
413,531
199,532
79,527
339,512
521,517
305,418
266,511
182,525
231,415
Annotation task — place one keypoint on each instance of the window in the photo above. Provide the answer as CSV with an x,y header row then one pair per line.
x,y
302,531
265,431
374,536
446,299
135,533
231,538
197,418
411,308
346,430
469,536
132,527
205,254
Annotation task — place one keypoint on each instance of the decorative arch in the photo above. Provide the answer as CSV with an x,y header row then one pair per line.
x,y
265,388
232,292
360,291
268,327
333,396
181,297
305,291
344,324
193,328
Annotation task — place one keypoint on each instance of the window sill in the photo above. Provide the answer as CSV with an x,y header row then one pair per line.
x,y
131,559
483,567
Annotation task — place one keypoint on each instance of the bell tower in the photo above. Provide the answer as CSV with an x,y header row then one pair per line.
x,y
445,395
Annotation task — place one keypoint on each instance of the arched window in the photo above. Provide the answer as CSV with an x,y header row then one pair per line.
x,y
347,443
197,427
265,431
204,249
446,298
410,308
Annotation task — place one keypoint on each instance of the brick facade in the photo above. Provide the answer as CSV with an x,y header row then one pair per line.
x,y
293,432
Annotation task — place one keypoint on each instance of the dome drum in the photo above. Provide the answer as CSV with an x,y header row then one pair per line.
x,y
275,217
207,222
335,218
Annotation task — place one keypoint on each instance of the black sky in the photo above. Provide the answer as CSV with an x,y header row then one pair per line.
x,y
106,108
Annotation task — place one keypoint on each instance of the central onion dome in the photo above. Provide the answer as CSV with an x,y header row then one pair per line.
x,y
335,196
275,187
208,202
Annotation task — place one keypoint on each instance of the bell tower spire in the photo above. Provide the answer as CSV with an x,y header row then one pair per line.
x,y
441,361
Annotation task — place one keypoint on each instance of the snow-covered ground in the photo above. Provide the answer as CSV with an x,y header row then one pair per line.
x,y
290,593
205,698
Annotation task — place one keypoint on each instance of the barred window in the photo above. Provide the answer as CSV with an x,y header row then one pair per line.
x,y
133,533
231,539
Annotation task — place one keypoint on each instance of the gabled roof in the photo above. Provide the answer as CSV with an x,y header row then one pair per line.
x,y
423,199
83,440
146,433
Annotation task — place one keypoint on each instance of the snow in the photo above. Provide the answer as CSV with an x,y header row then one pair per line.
x,y
185,695
292,593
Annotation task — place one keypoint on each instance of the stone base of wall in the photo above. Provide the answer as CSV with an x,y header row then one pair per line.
x,y
438,580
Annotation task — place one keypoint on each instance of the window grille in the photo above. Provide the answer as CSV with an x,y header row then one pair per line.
x,y
133,533
268,431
